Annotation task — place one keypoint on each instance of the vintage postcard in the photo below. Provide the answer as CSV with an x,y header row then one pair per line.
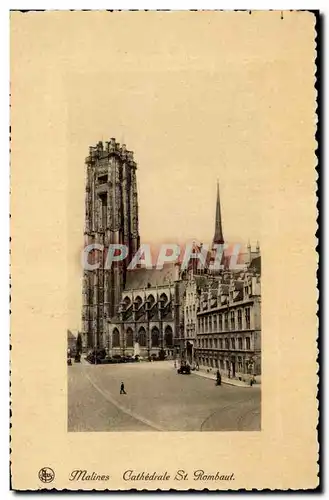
x,y
163,220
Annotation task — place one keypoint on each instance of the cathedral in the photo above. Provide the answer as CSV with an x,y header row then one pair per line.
x,y
129,312
141,311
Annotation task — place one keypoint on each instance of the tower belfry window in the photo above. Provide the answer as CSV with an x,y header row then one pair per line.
x,y
103,198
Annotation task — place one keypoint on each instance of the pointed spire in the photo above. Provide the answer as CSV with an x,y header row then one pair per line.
x,y
218,237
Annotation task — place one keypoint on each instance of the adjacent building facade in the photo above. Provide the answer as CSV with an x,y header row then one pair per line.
x,y
229,324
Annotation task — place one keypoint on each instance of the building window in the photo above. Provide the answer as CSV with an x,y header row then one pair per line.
x,y
215,323
232,320
220,323
227,346
240,344
248,343
240,365
155,337
221,364
209,324
226,321
220,343
168,336
239,319
233,343
215,343
247,315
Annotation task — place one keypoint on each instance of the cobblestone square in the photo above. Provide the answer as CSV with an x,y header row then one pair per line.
x,y
157,399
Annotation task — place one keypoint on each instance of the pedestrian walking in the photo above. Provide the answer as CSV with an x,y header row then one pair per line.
x,y
122,388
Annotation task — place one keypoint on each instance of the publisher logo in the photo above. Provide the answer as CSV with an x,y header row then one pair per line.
x,y
46,475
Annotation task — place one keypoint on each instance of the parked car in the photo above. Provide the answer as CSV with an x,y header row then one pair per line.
x,y
184,370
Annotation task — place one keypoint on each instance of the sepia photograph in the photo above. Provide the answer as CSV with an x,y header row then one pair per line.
x,y
175,328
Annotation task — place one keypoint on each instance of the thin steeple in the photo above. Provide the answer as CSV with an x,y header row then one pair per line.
x,y
218,237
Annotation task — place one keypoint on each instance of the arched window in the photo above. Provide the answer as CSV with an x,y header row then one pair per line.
x,y
168,336
129,338
150,301
126,302
142,337
239,319
232,320
155,335
115,338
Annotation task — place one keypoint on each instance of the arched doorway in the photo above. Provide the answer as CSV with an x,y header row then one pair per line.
x,y
169,340
168,336
141,338
129,338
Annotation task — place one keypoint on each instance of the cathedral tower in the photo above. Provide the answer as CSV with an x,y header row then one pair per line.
x,y
111,216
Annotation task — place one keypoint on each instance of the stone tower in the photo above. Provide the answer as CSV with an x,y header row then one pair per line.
x,y
111,216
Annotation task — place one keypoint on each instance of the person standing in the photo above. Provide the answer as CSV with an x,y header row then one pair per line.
x,y
122,388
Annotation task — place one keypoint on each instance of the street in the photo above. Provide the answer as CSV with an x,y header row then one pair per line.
x,y
157,399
